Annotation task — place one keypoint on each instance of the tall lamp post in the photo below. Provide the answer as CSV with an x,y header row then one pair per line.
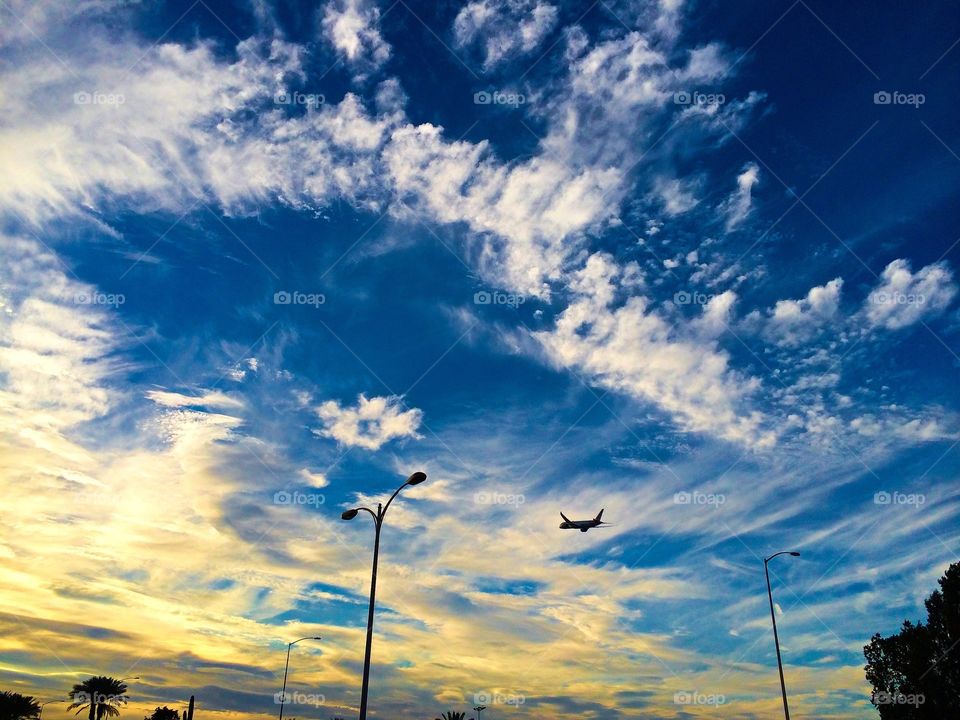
x,y
415,479
42,705
479,709
283,693
773,618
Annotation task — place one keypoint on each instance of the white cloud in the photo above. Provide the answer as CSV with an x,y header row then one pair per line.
x,y
189,120
26,20
55,346
738,205
629,348
534,207
313,479
352,26
792,322
902,298
717,315
370,423
505,28
677,197
898,425
186,122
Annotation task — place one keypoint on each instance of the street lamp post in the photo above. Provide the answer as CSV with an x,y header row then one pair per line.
x,y
773,618
40,714
283,693
479,709
415,479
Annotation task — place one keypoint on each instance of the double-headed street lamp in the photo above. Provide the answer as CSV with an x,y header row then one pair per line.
x,y
415,479
479,709
283,693
776,639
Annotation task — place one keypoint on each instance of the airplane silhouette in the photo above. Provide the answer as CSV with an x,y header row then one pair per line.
x,y
581,525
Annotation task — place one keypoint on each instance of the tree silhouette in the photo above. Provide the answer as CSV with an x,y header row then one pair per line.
x,y
101,696
163,713
916,673
452,715
14,706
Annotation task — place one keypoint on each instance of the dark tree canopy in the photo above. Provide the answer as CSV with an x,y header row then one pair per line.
x,y
163,713
14,706
916,673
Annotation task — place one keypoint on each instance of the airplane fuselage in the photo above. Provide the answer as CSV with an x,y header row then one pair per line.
x,y
581,525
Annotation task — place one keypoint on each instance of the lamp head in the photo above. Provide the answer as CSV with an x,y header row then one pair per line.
x,y
795,554
349,514
417,478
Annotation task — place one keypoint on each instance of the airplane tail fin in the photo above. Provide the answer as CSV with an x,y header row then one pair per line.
x,y
565,518
599,515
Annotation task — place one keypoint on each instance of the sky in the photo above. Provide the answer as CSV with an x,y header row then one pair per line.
x,y
692,262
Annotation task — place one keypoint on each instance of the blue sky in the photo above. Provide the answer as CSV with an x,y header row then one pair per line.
x,y
694,263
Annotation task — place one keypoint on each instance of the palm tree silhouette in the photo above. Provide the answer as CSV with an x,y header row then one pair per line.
x,y
452,715
102,696
14,706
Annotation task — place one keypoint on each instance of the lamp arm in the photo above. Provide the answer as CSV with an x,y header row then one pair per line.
x,y
395,493
372,514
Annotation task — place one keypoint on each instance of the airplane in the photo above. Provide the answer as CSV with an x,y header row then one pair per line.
x,y
581,525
